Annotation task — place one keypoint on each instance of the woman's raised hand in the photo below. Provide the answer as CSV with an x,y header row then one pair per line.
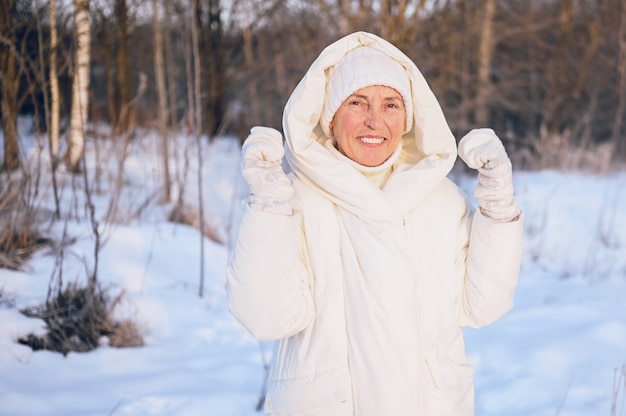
x,y
481,149
262,154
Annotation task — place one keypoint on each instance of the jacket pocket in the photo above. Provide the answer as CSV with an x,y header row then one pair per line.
x,y
452,389
319,394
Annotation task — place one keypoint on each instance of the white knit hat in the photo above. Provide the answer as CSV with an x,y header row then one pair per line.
x,y
360,68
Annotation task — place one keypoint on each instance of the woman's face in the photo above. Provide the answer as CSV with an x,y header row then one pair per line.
x,y
369,124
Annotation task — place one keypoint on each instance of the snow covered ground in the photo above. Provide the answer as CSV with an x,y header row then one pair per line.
x,y
560,351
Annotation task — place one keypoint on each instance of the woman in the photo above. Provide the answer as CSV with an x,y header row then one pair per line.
x,y
366,261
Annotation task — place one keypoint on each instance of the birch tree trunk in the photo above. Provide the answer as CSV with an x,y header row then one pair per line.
x,y
50,94
80,86
160,82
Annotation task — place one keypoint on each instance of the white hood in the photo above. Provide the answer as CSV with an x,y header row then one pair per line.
x,y
429,148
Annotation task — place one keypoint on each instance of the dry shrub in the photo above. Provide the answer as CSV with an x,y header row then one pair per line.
x,y
77,318
125,334
20,235
182,214
618,397
18,246
557,151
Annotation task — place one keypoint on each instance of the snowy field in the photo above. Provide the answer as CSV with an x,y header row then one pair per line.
x,y
560,351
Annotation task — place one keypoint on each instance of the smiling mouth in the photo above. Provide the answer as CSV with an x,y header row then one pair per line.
x,y
372,140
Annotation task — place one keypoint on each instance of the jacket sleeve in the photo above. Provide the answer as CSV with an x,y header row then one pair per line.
x,y
491,270
268,284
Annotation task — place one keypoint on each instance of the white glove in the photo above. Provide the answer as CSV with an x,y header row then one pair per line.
x,y
481,149
270,189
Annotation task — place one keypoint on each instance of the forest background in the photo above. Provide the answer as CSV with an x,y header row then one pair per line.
x,y
548,75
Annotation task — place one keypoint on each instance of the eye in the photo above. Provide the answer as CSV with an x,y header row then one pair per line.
x,y
394,104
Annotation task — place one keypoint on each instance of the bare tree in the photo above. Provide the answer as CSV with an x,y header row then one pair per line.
x,y
169,63
252,69
197,75
616,136
532,70
126,113
211,43
557,75
80,86
50,93
485,57
104,57
589,79
10,73
446,51
55,105
159,72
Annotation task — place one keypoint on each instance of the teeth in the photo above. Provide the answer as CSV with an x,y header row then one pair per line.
x,y
372,140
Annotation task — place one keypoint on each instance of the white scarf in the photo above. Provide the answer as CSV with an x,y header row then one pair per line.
x,y
378,175
380,298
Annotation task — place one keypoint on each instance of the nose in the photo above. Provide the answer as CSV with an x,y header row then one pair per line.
x,y
372,118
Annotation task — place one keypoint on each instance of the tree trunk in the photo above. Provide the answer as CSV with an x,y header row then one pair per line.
x,y
558,74
80,86
617,138
55,104
485,57
126,115
281,80
51,97
251,70
9,86
169,64
197,132
588,78
160,82
265,66
106,42
532,110
214,63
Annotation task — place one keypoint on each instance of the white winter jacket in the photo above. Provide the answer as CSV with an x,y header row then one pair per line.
x,y
366,289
